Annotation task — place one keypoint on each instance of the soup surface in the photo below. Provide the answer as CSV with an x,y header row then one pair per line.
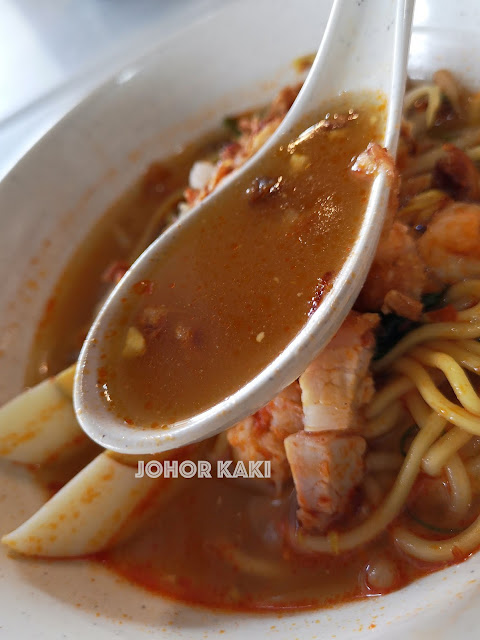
x,y
125,230
413,432
221,543
235,286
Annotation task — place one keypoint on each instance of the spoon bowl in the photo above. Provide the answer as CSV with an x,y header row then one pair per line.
x,y
365,47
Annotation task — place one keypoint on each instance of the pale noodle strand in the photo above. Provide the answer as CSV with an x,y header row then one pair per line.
x,y
418,408
443,449
439,550
473,469
427,160
390,507
462,354
470,345
434,101
158,219
454,373
423,163
460,487
446,330
246,563
432,396
388,395
384,422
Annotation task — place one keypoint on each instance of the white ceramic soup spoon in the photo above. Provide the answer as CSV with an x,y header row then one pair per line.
x,y
365,47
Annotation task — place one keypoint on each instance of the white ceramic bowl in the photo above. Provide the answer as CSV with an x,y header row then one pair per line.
x,y
231,60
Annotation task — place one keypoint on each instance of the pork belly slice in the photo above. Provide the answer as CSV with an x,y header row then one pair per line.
x,y
337,385
326,469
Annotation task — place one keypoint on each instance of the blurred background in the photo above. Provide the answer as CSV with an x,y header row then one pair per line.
x,y
52,52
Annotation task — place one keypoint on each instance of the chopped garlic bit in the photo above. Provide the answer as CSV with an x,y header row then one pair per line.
x,y
201,174
299,162
135,344
260,336
183,208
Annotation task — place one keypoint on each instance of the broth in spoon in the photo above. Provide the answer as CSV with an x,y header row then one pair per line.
x,y
231,292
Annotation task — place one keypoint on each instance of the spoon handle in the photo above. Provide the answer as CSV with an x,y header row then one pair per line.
x,y
365,47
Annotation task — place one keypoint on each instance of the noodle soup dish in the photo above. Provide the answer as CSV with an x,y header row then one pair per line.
x,y
368,482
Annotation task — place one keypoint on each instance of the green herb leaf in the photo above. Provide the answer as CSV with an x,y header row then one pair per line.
x,y
432,527
432,301
392,329
231,124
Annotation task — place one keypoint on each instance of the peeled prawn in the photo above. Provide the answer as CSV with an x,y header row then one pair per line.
x,y
397,267
450,247
261,435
